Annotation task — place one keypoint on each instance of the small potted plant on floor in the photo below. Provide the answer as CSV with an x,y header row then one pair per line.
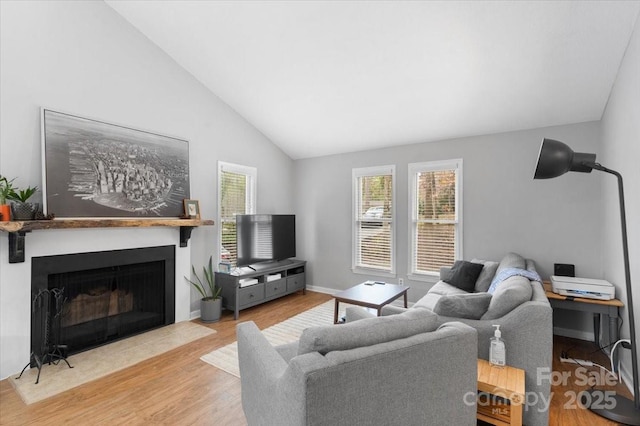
x,y
211,302
21,209
6,186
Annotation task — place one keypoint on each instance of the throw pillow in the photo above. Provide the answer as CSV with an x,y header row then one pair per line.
x,y
486,276
366,332
463,275
510,294
470,306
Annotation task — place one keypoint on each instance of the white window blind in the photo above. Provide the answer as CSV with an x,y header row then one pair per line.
x,y
436,215
374,226
236,195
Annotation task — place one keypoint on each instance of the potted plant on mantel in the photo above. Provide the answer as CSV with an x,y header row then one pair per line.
x,y
20,208
211,302
6,186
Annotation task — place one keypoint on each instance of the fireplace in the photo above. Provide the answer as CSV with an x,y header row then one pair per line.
x,y
107,296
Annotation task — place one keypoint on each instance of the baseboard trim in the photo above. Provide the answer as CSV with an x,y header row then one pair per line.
x,y
575,334
319,289
194,314
626,378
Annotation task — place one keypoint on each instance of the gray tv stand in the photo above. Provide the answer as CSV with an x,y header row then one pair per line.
x,y
268,287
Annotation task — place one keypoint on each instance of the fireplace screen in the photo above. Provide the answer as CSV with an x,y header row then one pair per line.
x,y
107,303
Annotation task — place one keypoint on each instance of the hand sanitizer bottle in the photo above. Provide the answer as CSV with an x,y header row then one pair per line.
x,y
497,351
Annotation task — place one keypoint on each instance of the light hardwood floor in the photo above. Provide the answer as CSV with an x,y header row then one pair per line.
x,y
176,388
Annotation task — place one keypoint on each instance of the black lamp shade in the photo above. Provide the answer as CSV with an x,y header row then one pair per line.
x,y
556,158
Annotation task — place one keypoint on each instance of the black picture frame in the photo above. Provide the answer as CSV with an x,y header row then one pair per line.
x,y
96,169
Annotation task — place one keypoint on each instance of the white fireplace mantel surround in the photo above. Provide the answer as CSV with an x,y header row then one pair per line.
x,y
15,278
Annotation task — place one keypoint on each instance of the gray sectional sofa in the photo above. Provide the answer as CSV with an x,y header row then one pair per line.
x,y
402,369
518,304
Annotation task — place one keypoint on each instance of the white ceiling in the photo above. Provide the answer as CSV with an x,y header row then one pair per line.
x,y
327,77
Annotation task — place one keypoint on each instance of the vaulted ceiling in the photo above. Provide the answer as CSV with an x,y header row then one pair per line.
x,y
327,77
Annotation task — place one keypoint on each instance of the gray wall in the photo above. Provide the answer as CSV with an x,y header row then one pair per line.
x,y
504,209
621,152
83,58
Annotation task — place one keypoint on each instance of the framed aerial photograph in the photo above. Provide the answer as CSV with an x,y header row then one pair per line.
x,y
95,169
192,209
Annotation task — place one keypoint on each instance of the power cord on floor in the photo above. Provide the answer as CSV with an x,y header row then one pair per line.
x,y
565,358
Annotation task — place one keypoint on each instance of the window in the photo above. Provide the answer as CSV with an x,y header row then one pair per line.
x,y
435,215
236,195
373,226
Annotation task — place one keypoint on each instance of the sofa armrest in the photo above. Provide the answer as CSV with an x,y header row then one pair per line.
x,y
528,335
261,370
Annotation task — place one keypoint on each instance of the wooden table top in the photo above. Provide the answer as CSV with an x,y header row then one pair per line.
x,y
551,295
509,380
376,294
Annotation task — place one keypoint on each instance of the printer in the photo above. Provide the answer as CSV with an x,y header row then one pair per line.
x,y
583,287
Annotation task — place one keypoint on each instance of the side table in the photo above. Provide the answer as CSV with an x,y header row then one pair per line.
x,y
596,307
500,394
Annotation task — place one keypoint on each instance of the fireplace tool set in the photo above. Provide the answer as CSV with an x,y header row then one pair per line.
x,y
46,315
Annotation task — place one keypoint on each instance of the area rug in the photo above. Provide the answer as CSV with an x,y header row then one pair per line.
x,y
226,358
104,360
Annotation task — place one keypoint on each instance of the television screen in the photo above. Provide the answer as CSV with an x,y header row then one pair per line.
x,y
265,237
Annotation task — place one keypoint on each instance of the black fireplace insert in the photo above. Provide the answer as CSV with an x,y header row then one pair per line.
x,y
108,295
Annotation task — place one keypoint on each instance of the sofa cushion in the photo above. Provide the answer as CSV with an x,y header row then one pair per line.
x,y
366,332
434,294
428,301
512,260
488,272
511,293
463,275
443,289
471,305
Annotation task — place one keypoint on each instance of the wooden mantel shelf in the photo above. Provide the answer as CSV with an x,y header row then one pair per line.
x,y
33,225
17,229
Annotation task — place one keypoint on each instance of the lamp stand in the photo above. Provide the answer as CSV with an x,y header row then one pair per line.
x,y
620,409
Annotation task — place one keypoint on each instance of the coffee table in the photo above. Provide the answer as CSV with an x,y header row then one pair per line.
x,y
370,296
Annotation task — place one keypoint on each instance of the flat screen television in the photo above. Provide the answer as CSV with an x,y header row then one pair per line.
x,y
265,238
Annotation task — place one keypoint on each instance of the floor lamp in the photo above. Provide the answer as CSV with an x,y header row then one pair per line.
x,y
555,159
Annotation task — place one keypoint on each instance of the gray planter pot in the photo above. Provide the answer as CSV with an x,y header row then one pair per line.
x,y
23,211
210,310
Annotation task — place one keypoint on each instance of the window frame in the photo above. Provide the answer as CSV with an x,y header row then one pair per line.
x,y
250,195
432,166
355,220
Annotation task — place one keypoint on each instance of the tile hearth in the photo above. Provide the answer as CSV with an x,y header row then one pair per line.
x,y
104,360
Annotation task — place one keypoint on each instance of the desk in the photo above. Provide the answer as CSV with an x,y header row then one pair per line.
x,y
609,308
496,386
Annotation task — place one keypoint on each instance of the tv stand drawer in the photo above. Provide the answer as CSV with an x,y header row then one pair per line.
x,y
250,295
275,288
295,282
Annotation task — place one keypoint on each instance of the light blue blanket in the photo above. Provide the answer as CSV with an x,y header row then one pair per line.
x,y
510,272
